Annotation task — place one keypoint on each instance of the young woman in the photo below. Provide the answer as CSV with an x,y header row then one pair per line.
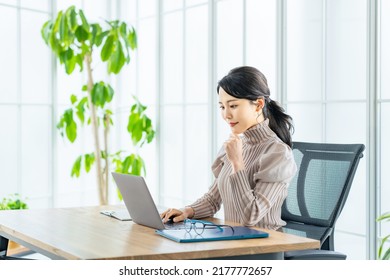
x,y
255,165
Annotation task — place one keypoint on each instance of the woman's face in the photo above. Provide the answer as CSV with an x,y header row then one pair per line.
x,y
240,114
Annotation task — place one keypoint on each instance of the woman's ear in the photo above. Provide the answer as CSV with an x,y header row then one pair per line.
x,y
260,104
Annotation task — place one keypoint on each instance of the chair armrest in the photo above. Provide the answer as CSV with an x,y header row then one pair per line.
x,y
314,255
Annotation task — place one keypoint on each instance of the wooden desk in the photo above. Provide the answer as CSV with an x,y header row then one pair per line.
x,y
84,233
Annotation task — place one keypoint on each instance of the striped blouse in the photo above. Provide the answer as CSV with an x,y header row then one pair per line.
x,y
253,196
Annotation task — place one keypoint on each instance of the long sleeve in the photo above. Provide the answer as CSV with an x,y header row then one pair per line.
x,y
208,204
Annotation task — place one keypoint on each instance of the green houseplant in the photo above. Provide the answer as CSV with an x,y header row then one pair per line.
x,y
381,253
13,202
74,40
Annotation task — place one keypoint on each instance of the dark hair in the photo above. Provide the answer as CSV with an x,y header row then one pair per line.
x,y
249,83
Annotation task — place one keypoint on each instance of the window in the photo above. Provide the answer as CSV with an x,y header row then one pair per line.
x,y
327,93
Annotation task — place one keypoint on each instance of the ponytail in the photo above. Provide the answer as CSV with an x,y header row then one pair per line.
x,y
279,121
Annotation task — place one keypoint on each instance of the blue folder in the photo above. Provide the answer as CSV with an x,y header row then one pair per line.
x,y
182,236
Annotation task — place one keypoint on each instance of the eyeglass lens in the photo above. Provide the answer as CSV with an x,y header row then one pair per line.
x,y
198,227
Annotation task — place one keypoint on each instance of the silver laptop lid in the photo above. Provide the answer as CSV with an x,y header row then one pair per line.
x,y
138,200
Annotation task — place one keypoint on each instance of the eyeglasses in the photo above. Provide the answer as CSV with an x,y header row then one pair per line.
x,y
199,226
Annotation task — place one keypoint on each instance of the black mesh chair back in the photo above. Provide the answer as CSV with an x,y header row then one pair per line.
x,y
318,192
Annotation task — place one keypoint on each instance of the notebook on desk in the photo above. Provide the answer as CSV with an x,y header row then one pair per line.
x,y
122,215
240,232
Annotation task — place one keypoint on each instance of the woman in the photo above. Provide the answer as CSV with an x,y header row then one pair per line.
x,y
252,172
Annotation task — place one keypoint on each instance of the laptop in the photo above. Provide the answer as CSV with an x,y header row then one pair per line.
x,y
139,202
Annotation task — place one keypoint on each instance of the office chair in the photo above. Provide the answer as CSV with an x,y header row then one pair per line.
x,y
317,194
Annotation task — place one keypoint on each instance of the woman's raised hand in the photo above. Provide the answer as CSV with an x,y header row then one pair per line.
x,y
233,149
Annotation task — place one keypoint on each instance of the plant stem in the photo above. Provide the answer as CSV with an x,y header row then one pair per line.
x,y
106,169
94,123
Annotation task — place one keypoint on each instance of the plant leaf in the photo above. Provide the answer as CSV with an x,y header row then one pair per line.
x,y
69,61
84,20
76,167
71,126
386,256
127,163
383,241
383,217
100,37
137,165
96,31
71,18
89,160
107,48
63,29
81,34
132,39
97,94
56,26
117,59
108,93
73,99
79,58
71,131
46,31
80,109
139,125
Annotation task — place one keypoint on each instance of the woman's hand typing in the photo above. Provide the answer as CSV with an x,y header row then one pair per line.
x,y
177,215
